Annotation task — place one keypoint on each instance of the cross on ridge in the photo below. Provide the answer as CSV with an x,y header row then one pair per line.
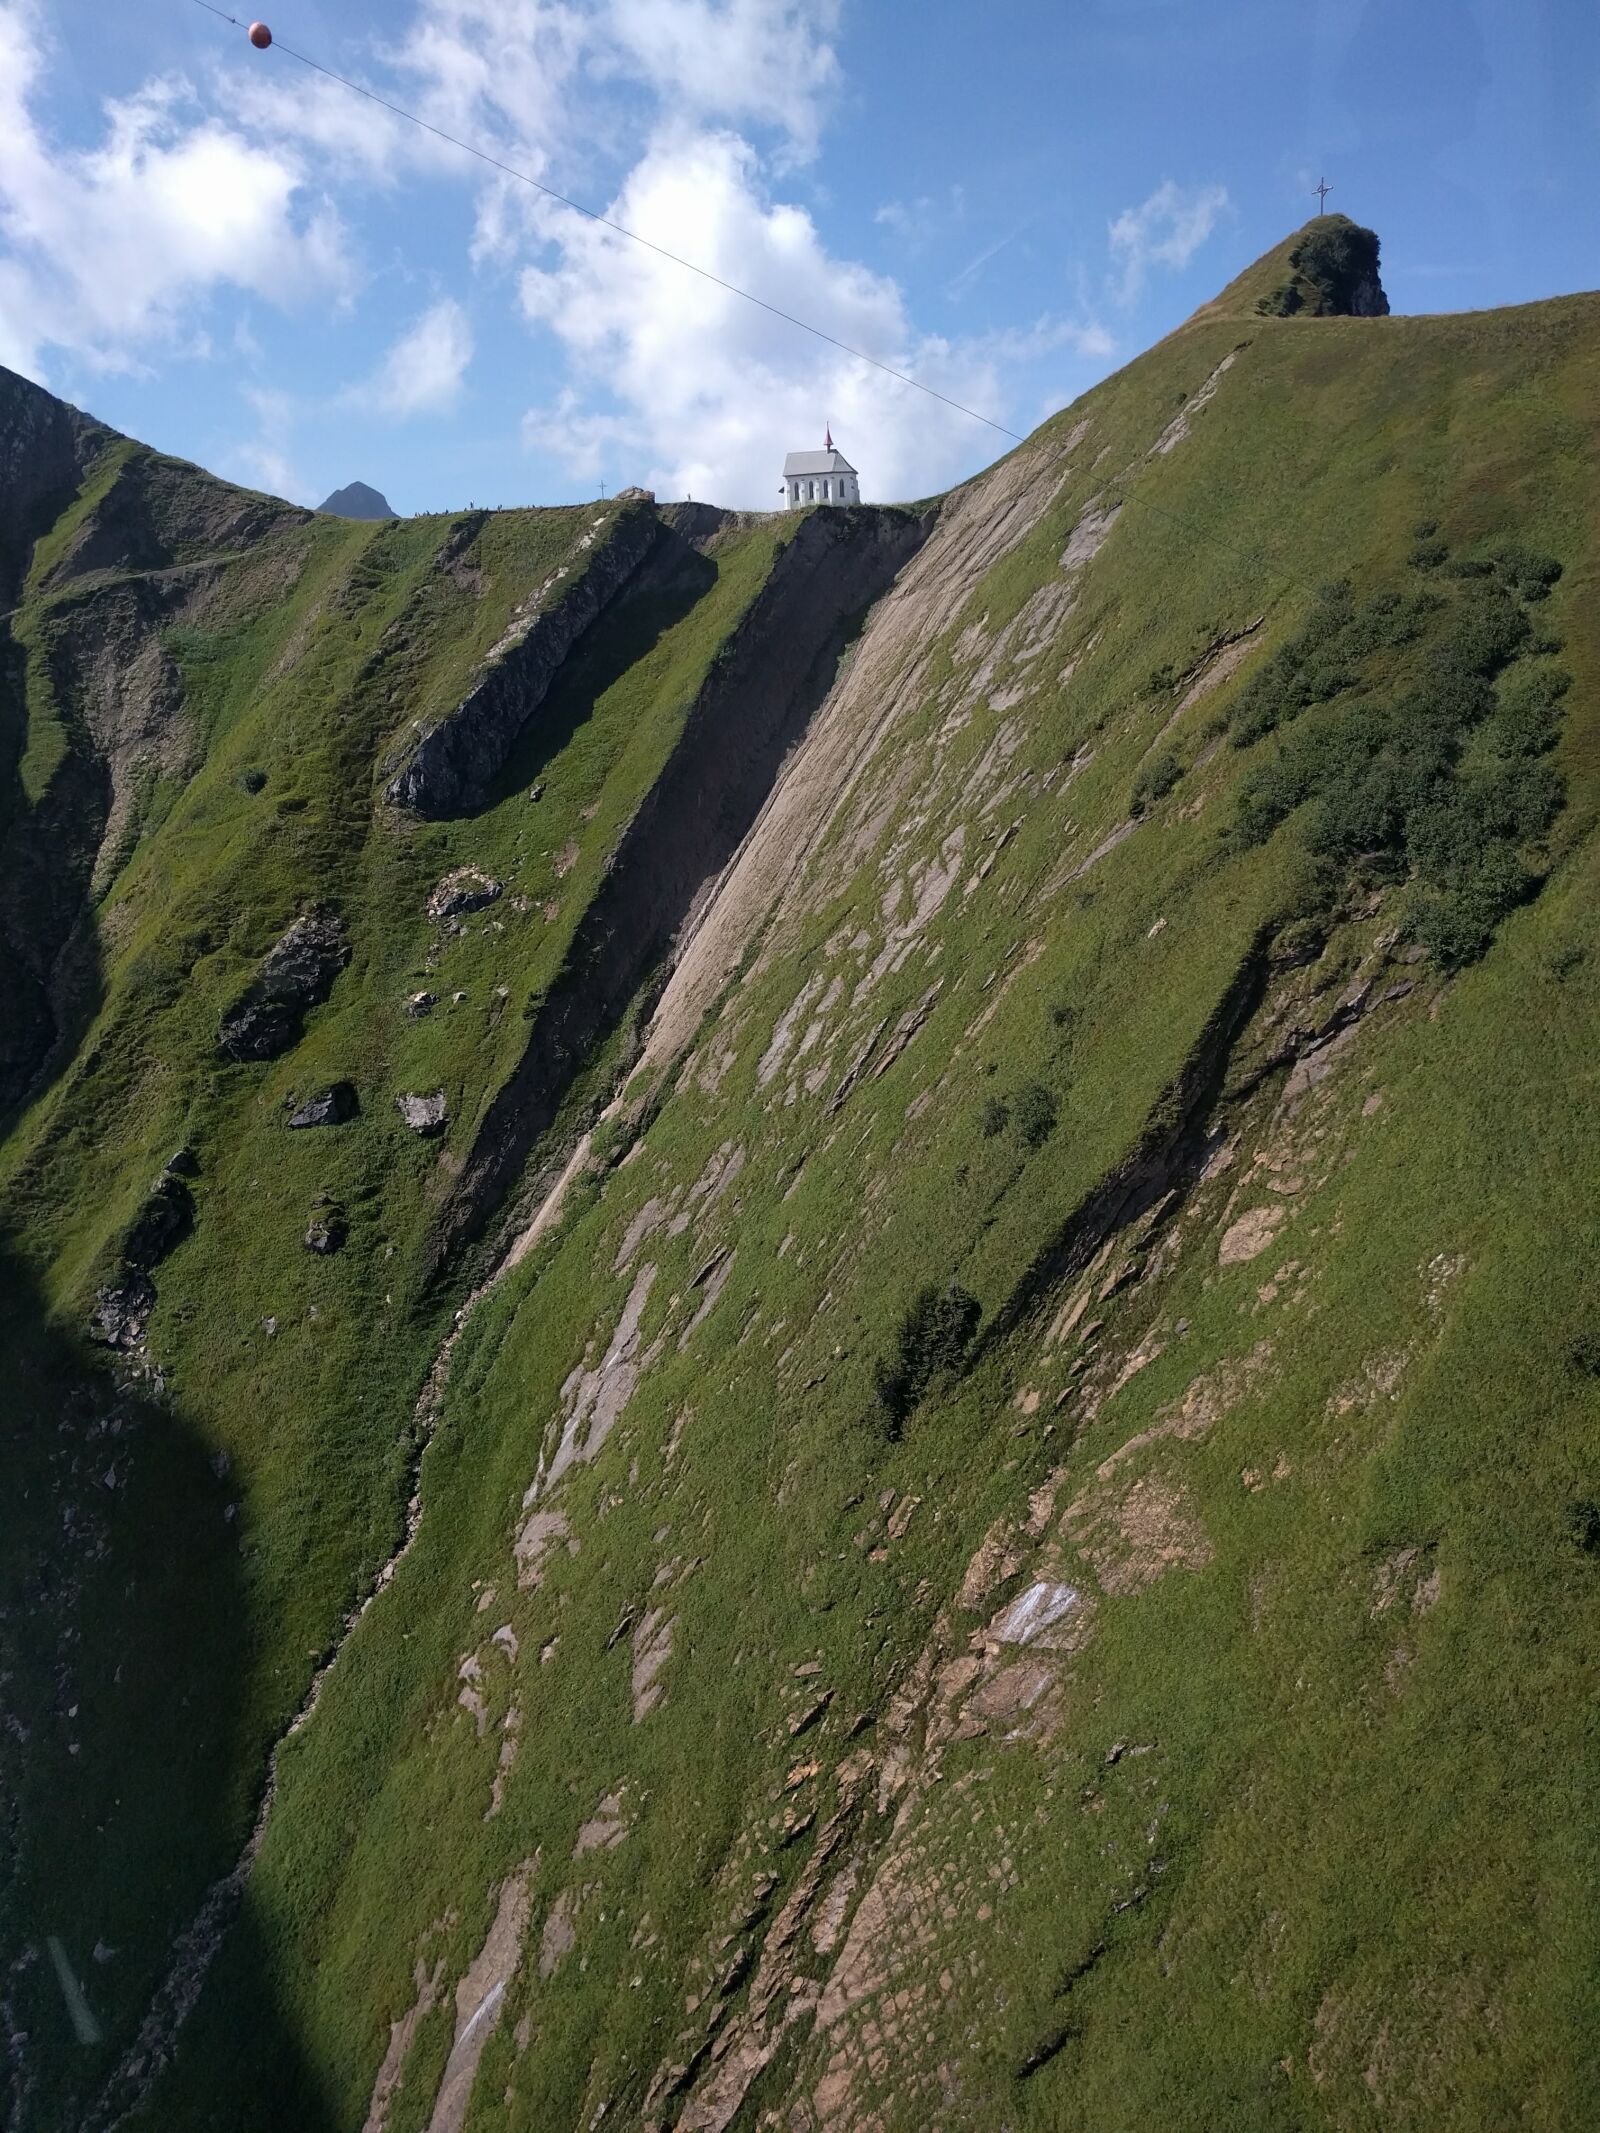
x,y
1322,189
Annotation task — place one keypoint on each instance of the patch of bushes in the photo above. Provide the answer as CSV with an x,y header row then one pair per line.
x,y
1524,571
1583,1525
1155,781
993,1118
1442,783
933,1338
1527,716
1323,660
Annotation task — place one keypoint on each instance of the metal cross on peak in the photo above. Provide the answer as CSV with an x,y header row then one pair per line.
x,y
1322,189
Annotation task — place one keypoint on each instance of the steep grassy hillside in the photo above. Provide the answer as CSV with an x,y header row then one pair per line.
x,y
995,1290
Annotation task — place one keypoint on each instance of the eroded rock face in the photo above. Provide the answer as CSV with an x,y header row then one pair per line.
x,y
334,1106
122,1310
455,762
463,889
327,1231
122,1306
296,974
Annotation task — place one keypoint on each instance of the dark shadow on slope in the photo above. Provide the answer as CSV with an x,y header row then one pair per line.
x,y
127,1789
51,984
1164,1167
675,580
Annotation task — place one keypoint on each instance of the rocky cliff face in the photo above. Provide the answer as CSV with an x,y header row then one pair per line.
x,y
45,449
935,1340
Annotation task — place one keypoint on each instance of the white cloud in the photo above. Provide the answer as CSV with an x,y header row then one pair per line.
x,y
704,388
762,61
263,461
111,249
1028,344
1166,230
422,372
115,250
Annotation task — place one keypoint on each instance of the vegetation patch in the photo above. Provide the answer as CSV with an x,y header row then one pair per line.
x,y
933,1338
1426,769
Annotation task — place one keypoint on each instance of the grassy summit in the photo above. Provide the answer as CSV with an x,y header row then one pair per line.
x,y
1016,1545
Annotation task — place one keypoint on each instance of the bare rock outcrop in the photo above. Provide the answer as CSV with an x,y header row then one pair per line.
x,y
296,974
454,763
333,1106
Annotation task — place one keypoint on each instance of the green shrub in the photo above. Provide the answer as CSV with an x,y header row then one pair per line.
x,y
1034,1113
1527,718
1154,782
1457,923
1584,1354
934,1336
1583,1525
994,1118
1427,555
1527,573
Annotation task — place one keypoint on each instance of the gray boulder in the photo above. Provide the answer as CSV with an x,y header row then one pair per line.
x,y
327,1231
333,1107
424,1114
463,889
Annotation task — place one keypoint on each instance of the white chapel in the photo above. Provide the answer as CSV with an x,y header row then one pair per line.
x,y
824,477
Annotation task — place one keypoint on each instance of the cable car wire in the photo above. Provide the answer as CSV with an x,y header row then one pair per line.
x,y
510,170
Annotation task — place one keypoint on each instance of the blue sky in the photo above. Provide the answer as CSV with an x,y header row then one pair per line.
x,y
224,254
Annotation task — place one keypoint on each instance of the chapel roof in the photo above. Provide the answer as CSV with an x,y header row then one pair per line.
x,y
816,463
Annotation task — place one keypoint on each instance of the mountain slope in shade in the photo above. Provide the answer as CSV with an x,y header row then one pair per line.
x,y
356,500
801,1309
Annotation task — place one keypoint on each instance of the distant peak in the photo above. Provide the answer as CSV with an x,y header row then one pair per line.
x,y
356,500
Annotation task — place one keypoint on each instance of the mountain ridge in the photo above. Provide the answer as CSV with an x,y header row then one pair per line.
x,y
1020,1407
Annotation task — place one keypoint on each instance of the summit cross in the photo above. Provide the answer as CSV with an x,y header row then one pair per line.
x,y
1322,189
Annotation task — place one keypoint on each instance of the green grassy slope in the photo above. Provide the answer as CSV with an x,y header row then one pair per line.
x,y
1195,991
293,1377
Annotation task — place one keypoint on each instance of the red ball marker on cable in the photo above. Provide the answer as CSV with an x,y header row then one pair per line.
x,y
260,36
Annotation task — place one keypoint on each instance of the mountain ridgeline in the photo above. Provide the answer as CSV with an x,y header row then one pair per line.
x,y
800,1310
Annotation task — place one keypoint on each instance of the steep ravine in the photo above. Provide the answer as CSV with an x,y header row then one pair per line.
x,y
769,680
